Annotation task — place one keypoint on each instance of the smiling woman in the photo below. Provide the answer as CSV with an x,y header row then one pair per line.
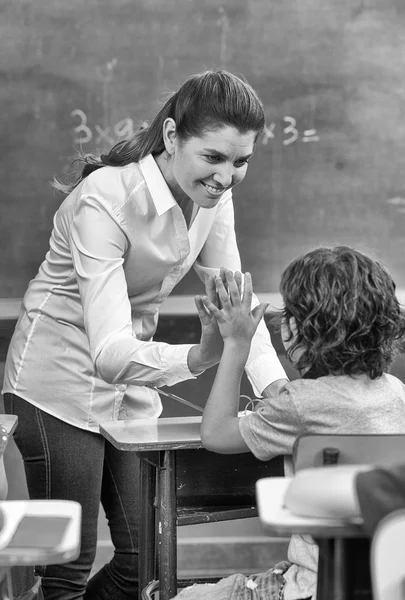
x,y
133,224
200,169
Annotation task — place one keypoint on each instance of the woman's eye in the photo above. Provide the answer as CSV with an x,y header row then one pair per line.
x,y
242,163
213,158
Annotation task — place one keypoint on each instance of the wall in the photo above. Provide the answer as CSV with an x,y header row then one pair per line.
x,y
328,170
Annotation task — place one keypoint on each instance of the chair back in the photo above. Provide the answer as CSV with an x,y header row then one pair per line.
x,y
387,558
324,449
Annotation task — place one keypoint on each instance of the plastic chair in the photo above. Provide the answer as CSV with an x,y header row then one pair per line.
x,y
33,532
37,532
388,558
343,546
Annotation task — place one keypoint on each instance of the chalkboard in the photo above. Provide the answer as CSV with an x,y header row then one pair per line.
x,y
330,73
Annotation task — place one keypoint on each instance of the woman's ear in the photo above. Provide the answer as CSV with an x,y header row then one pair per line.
x,y
169,135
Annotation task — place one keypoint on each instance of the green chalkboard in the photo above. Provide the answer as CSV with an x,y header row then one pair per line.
x,y
331,76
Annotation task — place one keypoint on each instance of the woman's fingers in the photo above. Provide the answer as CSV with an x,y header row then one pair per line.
x,y
248,291
211,290
209,306
204,316
233,289
238,280
222,293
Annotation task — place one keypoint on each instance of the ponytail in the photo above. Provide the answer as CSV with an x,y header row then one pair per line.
x,y
148,140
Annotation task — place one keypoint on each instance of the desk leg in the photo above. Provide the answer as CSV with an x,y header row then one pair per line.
x,y
325,579
167,510
147,524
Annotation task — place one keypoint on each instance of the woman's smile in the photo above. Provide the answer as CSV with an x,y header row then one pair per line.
x,y
214,190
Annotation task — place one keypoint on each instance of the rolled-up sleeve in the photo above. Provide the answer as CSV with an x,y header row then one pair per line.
x,y
221,250
272,429
98,246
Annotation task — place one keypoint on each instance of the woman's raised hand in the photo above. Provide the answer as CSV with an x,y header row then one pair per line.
x,y
211,345
236,320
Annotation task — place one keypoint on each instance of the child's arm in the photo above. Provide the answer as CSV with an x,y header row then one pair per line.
x,y
237,324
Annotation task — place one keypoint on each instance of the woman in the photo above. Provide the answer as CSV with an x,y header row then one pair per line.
x,y
134,222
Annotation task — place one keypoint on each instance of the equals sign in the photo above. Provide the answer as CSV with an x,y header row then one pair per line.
x,y
309,135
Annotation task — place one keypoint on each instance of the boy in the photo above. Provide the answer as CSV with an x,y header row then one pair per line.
x,y
341,326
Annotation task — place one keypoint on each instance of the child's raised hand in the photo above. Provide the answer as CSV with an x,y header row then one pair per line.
x,y
236,320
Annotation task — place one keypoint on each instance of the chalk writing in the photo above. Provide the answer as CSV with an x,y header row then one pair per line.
x,y
125,128
309,135
290,132
83,134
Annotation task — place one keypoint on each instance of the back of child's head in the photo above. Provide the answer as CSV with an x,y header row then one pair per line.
x,y
346,316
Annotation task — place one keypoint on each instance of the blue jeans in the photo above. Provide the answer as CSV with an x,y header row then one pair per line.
x,y
67,463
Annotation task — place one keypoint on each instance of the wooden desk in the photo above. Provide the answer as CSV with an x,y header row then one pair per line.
x,y
186,484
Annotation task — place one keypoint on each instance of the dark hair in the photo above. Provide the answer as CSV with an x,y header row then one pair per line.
x,y
348,319
204,102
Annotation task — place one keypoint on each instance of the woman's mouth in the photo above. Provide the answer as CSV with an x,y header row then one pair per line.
x,y
214,191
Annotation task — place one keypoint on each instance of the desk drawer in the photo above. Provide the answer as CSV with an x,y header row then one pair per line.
x,y
208,479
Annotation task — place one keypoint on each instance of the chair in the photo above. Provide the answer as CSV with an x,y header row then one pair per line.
x,y
37,532
343,547
388,558
33,532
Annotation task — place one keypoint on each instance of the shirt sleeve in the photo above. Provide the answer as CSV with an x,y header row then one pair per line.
x,y
272,429
98,246
221,250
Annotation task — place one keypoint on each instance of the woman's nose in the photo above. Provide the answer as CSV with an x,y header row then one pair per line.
x,y
224,176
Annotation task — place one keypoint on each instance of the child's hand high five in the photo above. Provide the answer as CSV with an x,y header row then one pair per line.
x,y
236,320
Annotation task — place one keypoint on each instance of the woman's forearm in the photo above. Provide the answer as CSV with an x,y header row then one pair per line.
x,y
198,361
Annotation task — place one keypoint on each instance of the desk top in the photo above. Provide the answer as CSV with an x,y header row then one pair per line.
x,y
278,520
173,433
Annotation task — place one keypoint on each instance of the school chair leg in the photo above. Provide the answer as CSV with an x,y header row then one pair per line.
x,y
325,569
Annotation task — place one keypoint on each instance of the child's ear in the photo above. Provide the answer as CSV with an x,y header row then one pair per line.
x,y
293,326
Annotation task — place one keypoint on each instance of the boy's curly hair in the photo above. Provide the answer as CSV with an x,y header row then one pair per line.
x,y
348,319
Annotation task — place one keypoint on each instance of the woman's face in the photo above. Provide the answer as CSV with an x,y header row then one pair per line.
x,y
203,168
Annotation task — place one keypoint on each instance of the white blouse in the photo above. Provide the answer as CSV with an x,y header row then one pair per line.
x,y
82,349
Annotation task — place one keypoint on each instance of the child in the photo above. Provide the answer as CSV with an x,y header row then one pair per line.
x,y
341,325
